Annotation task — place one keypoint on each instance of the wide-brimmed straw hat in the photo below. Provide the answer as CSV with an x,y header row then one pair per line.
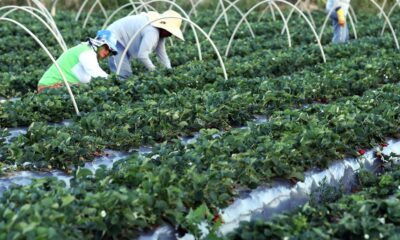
x,y
171,24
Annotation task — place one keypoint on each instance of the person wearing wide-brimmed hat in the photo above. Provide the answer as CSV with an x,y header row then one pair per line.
x,y
339,10
151,38
81,63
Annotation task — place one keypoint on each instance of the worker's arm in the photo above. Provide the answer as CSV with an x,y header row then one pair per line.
x,y
149,41
90,63
162,54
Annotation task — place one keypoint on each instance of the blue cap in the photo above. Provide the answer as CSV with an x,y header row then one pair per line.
x,y
108,38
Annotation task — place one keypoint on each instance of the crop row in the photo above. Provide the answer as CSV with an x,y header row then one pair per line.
x,y
184,184
371,212
168,185
159,117
273,76
17,81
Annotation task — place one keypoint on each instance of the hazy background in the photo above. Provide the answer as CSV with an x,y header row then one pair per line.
x,y
363,5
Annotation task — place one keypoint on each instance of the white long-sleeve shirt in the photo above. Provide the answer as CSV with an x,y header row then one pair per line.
x,y
333,4
88,67
146,42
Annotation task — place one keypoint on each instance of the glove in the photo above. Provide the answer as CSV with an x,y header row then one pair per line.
x,y
341,17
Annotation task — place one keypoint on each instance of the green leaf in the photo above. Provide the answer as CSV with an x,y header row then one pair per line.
x,y
83,172
67,200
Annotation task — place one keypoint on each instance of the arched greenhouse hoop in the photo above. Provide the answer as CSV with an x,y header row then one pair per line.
x,y
49,55
30,10
232,4
282,1
392,9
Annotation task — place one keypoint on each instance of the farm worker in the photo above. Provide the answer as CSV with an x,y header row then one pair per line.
x,y
151,37
339,10
80,64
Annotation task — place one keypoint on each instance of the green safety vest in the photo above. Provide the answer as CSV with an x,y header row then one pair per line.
x,y
67,61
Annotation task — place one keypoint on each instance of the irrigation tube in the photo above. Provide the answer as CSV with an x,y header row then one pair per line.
x,y
292,11
309,13
284,22
272,4
351,10
53,8
31,9
221,2
102,8
80,10
326,21
272,12
383,7
170,7
289,4
91,11
217,8
187,17
83,6
194,8
147,5
144,4
353,26
43,11
88,15
265,11
183,19
232,4
136,10
397,4
51,57
15,8
105,25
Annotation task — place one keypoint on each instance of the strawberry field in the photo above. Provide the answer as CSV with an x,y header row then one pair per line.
x,y
176,147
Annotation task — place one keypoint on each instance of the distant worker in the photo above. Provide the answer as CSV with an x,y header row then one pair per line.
x,y
151,38
339,10
81,63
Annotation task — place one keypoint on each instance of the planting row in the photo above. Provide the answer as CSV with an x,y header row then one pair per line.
x,y
158,117
17,81
371,212
185,184
54,106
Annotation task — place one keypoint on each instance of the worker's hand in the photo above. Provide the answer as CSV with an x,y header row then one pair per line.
x,y
341,17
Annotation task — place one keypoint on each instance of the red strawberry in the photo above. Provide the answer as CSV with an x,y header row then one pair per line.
x,y
384,144
217,218
362,151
